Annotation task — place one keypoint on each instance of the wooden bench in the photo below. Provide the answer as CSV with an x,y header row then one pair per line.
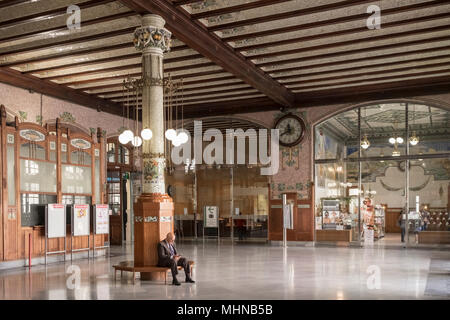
x,y
128,266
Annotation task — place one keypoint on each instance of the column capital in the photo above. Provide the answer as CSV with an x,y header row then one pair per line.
x,y
152,34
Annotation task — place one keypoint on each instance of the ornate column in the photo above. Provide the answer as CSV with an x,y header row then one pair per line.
x,y
154,208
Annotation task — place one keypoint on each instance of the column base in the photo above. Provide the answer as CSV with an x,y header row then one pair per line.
x,y
153,220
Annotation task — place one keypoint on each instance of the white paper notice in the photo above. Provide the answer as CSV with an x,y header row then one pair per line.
x,y
81,222
101,219
56,221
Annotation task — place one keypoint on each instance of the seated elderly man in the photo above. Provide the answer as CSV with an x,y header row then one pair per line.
x,y
168,257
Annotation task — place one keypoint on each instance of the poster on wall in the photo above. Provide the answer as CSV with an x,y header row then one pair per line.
x,y
56,221
101,222
81,220
211,217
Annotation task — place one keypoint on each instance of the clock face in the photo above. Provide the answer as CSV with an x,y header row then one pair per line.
x,y
292,130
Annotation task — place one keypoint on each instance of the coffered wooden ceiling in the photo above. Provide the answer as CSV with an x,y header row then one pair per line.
x,y
233,55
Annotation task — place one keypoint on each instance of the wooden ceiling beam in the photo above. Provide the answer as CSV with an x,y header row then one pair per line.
x,y
363,59
211,46
207,98
352,73
117,85
370,40
183,2
10,3
49,31
30,82
66,54
362,30
50,14
354,51
137,74
126,67
111,59
391,90
384,78
236,8
322,23
291,14
189,95
84,39
214,86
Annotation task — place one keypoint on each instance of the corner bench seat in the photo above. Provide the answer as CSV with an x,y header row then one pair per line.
x,y
128,266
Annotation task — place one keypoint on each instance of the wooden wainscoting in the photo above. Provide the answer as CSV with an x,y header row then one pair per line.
x,y
303,220
391,220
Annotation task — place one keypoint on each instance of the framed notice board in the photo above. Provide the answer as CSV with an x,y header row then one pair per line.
x,y
56,220
101,219
81,220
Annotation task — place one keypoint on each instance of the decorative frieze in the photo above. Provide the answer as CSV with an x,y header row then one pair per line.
x,y
151,219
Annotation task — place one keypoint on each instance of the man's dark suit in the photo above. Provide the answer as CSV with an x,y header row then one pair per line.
x,y
165,259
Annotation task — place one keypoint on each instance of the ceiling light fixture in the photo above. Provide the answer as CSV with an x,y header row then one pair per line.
x,y
365,143
414,140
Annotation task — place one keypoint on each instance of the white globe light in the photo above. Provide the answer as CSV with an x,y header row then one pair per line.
x,y
146,134
123,139
137,141
176,141
399,140
183,137
391,140
129,134
170,134
414,140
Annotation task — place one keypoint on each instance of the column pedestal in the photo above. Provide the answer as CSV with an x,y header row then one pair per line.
x,y
153,220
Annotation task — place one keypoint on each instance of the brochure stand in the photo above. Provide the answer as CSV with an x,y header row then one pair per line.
x,y
80,226
55,226
101,224
211,220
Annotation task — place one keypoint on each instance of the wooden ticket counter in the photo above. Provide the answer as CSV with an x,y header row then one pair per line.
x,y
334,235
55,163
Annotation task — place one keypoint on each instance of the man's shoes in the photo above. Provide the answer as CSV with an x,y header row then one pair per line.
x,y
176,283
189,280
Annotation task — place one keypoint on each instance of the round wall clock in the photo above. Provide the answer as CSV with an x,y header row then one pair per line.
x,y
292,130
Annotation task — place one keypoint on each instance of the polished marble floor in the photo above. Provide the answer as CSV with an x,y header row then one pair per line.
x,y
248,271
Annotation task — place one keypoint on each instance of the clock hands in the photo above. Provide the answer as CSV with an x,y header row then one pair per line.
x,y
288,130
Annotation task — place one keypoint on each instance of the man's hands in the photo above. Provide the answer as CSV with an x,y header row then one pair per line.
x,y
176,257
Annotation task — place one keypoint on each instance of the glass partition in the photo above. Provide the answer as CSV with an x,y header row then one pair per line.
x,y
250,202
76,179
97,181
214,189
37,176
428,214
395,175
11,159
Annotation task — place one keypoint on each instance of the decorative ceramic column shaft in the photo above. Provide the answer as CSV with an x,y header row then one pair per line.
x,y
153,39
153,210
